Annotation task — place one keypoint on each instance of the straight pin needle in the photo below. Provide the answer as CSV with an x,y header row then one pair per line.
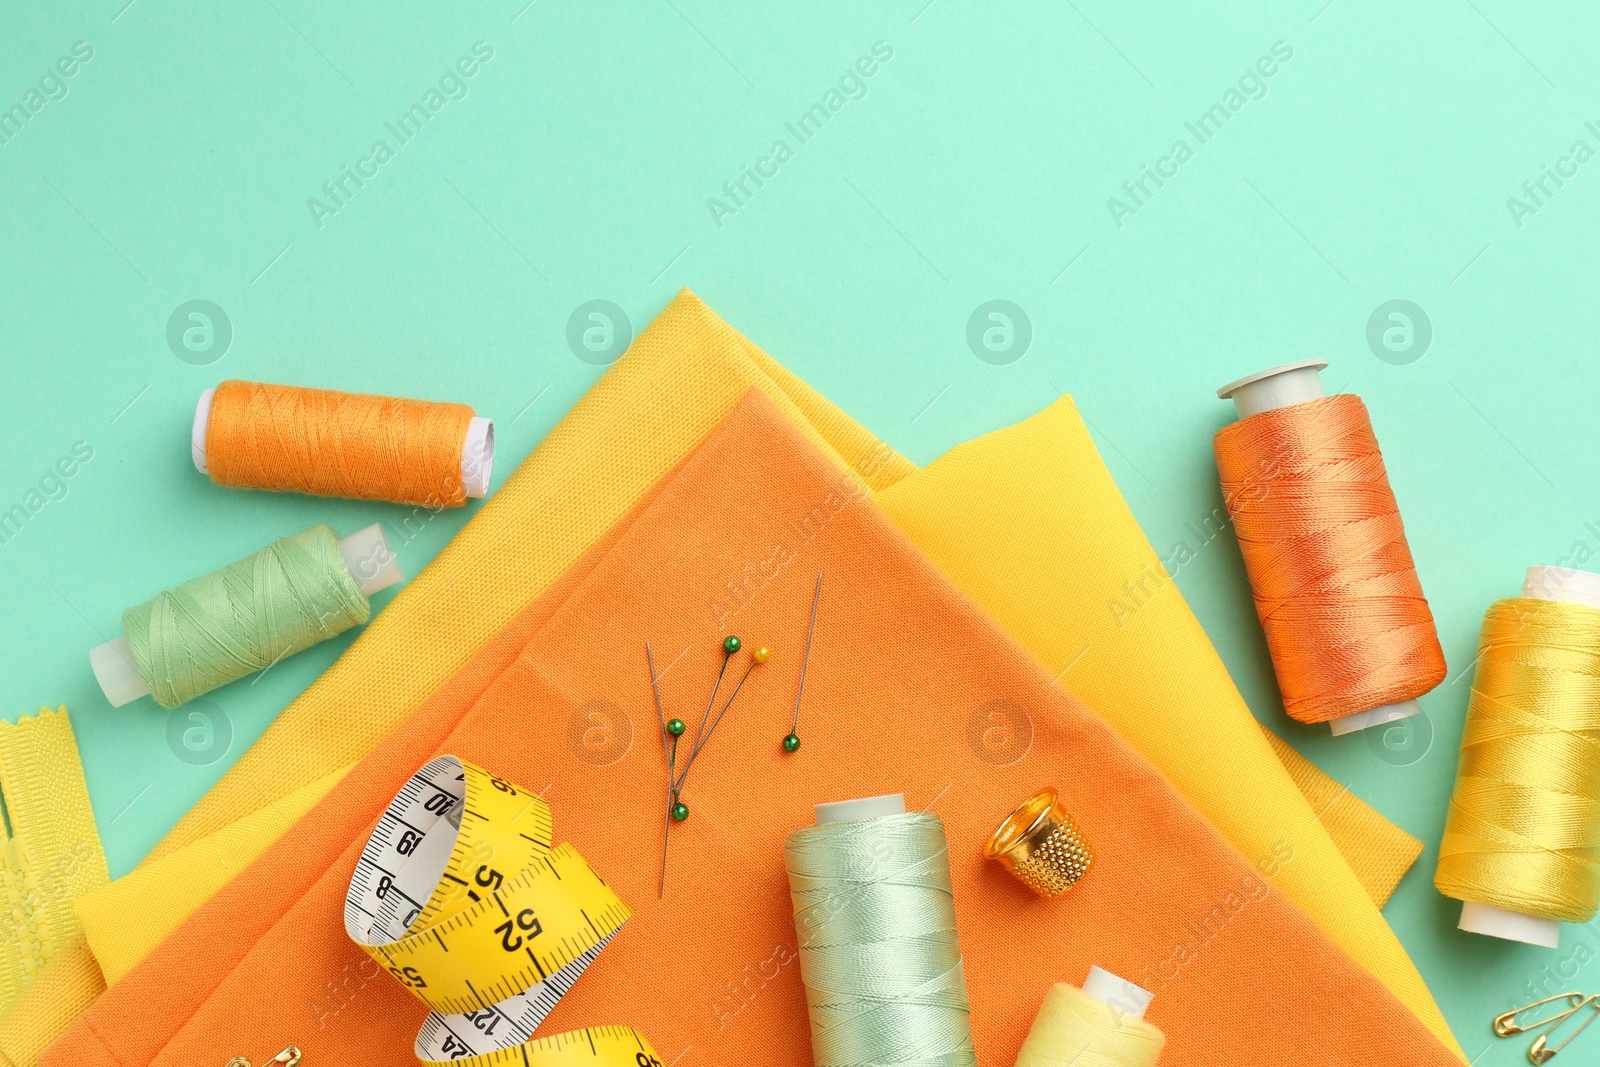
x,y
791,743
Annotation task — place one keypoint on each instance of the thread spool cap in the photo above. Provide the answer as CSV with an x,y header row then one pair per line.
x,y
1117,993
197,435
1510,925
1562,585
1275,387
477,457
370,560
860,809
113,668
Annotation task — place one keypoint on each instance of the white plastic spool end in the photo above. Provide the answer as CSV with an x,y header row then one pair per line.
x,y
113,668
477,457
1564,586
1117,993
197,435
1510,925
370,560
1275,387
861,809
1378,716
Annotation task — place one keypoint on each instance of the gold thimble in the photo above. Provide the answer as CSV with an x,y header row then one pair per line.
x,y
1040,844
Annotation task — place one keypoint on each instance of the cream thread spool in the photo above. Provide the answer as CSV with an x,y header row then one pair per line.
x,y
1280,387
367,556
1562,586
1133,1042
477,455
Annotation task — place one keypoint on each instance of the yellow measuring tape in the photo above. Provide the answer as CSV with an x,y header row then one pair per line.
x,y
459,895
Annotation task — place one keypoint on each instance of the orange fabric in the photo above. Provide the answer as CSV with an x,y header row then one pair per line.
x,y
902,666
1338,595
296,440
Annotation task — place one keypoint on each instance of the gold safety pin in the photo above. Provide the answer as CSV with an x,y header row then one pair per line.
x,y
290,1057
1507,1026
1540,1053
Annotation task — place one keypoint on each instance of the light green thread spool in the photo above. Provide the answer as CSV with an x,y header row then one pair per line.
x,y
876,920
296,592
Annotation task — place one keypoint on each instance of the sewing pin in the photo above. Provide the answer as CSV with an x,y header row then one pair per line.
x,y
759,656
791,743
730,645
673,729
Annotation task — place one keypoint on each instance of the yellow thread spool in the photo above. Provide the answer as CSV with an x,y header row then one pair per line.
x,y
1100,1025
1521,845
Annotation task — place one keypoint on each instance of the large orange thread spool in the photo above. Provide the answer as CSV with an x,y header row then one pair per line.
x,y
251,435
1352,640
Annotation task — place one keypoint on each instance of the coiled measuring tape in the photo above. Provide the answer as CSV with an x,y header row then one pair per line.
x,y
459,895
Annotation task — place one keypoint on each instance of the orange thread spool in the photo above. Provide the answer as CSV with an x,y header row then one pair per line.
x,y
1335,586
287,438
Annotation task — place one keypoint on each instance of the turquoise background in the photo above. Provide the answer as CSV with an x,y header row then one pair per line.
x,y
977,166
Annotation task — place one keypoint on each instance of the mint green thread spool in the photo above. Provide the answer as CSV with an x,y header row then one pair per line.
x,y
295,593
875,915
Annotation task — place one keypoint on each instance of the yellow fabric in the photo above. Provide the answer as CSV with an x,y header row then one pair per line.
x,y
678,380
124,920
52,854
1377,850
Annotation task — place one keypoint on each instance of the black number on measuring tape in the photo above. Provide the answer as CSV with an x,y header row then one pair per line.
x,y
485,1019
408,842
510,940
440,803
646,1060
384,885
409,977
503,785
489,878
455,1048
411,917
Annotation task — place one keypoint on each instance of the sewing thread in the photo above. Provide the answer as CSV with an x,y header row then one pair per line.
x,y
1523,829
875,914
1335,586
327,443
245,617
1073,1028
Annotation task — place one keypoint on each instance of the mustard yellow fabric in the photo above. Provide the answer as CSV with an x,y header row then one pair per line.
x,y
678,381
124,920
1378,851
52,854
